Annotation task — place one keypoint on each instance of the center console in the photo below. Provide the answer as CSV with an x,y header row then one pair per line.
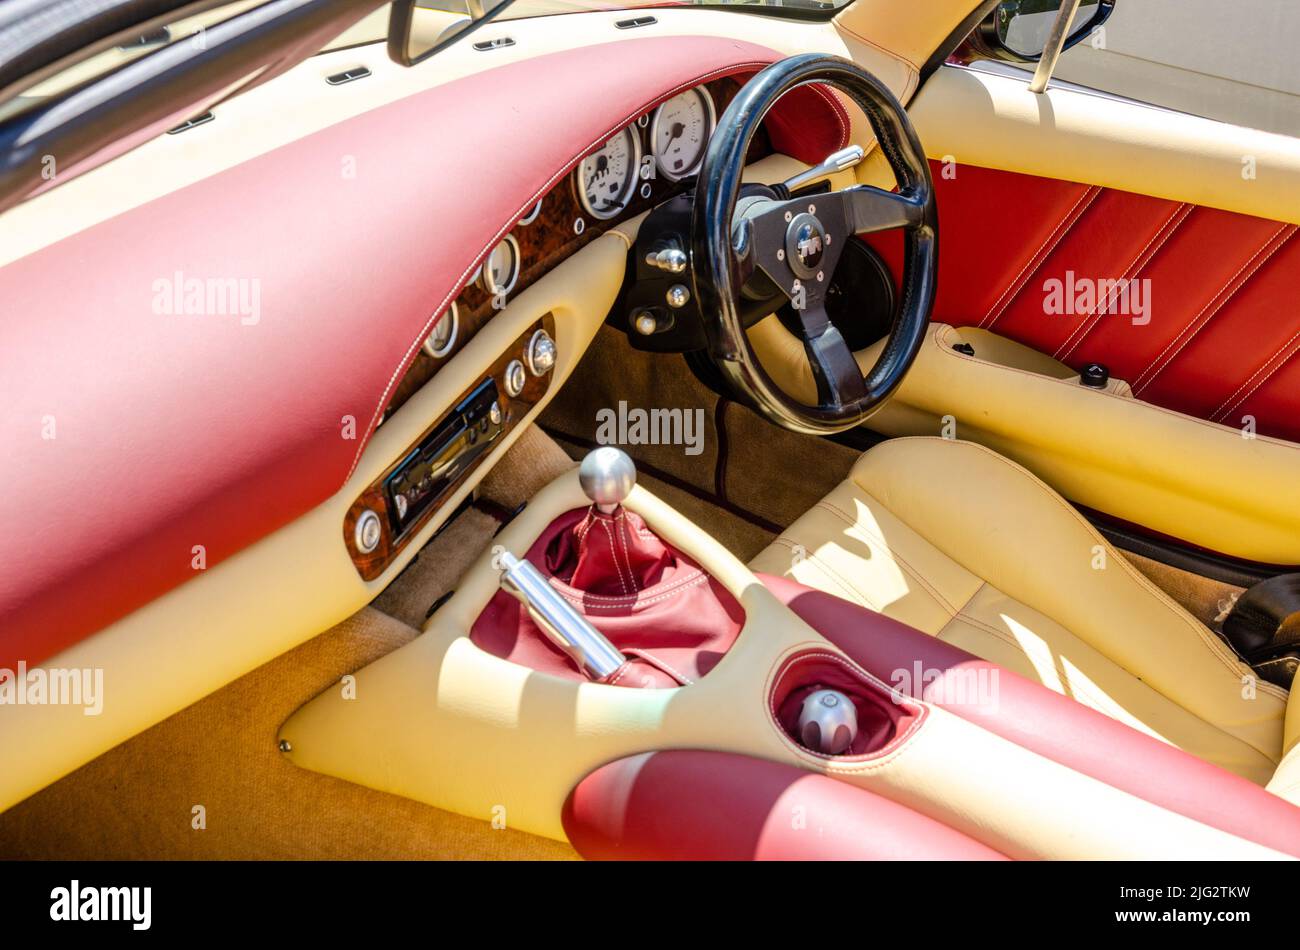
x,y
705,725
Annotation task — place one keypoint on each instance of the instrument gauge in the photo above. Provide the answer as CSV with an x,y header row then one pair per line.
x,y
501,269
443,335
680,132
607,178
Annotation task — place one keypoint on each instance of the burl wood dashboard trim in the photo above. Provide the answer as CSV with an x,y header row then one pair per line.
x,y
371,565
552,237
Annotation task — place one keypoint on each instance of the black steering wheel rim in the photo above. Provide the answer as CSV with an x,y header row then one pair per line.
x,y
716,263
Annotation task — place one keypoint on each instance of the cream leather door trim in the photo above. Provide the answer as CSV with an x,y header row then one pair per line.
x,y
1182,476
993,121
1185,477
443,722
299,580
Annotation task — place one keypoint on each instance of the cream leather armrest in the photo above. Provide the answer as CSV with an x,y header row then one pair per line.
x,y
1182,476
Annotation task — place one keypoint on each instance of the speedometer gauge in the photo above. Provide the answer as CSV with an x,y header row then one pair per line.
x,y
606,178
680,131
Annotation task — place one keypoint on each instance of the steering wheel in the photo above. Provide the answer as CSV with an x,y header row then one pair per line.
x,y
744,247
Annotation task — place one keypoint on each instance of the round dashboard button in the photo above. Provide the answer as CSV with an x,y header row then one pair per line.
x,y
516,377
367,532
540,353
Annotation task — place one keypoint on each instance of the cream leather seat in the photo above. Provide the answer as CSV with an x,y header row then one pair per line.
x,y
968,546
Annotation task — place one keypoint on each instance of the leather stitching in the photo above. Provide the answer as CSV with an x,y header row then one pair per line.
x,y
1049,244
837,109
609,603
1144,257
656,661
849,588
1212,307
1267,376
1224,407
609,536
621,531
869,536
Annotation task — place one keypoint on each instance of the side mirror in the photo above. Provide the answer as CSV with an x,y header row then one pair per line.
x,y
1017,30
419,28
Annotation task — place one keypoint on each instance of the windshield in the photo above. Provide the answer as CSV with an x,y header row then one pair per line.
x,y
531,8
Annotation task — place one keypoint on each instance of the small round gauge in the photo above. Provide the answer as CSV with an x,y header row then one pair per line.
x,y
607,177
531,216
443,335
501,269
680,132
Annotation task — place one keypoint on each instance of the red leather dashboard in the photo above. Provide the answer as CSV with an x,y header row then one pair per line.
x,y
1220,338
139,434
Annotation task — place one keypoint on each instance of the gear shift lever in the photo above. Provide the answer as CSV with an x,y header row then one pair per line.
x,y
607,476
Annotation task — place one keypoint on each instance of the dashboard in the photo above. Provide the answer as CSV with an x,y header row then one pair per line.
x,y
644,164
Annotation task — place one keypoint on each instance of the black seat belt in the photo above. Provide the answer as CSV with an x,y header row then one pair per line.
x,y
1264,628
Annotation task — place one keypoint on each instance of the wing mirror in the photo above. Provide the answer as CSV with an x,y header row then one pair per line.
x,y
419,28
1019,30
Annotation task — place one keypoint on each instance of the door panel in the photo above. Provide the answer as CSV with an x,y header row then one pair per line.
x,y
1220,336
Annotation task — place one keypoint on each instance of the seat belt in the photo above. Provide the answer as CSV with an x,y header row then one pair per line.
x,y
1264,628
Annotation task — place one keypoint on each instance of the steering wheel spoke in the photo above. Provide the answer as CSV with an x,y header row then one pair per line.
x,y
834,368
871,209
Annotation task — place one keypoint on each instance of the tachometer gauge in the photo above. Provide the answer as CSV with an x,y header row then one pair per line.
x,y
680,131
607,178
501,269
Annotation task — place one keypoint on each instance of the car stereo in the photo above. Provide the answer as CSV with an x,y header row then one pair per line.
x,y
436,463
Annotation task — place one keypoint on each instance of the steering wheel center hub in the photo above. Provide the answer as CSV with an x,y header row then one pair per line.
x,y
805,244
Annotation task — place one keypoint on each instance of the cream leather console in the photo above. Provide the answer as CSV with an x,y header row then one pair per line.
x,y
446,723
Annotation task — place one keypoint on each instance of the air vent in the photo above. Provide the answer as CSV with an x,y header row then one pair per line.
x,y
348,75
633,23
191,123
500,42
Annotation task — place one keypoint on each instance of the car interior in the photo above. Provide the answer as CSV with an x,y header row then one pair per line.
x,y
605,430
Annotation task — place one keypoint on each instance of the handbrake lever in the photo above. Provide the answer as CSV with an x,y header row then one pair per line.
x,y
590,651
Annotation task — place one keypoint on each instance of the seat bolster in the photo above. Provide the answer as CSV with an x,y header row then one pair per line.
x,y
999,521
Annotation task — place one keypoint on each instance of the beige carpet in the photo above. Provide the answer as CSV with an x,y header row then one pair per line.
x,y
137,801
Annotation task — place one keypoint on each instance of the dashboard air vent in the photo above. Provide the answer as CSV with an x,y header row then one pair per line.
x,y
188,124
633,23
348,75
501,42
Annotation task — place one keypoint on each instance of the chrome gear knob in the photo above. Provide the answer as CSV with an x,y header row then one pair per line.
x,y
828,722
607,476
